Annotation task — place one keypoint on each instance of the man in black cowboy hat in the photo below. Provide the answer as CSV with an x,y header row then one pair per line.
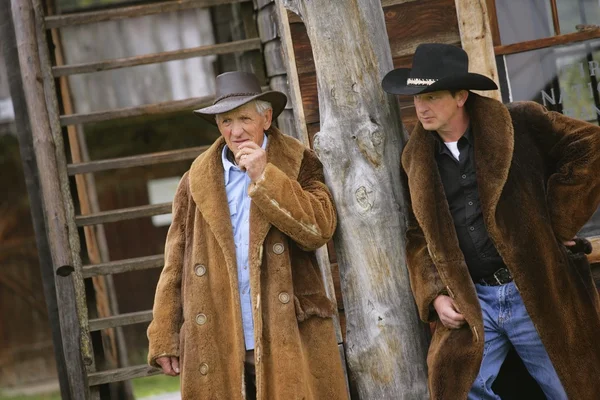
x,y
240,309
498,193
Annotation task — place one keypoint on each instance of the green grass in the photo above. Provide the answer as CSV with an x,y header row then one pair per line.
x,y
142,387
152,385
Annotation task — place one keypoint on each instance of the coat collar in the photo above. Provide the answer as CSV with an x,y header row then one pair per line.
x,y
207,187
492,129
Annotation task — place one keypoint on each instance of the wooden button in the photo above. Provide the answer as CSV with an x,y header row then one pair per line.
x,y
284,297
278,248
199,270
201,319
204,368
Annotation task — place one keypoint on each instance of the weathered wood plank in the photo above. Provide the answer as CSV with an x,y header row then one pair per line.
x,y
260,4
145,110
136,161
120,266
294,18
266,19
302,49
310,98
288,60
122,374
359,144
410,24
274,61
548,42
476,40
123,214
60,21
182,54
120,320
32,183
280,84
491,7
37,84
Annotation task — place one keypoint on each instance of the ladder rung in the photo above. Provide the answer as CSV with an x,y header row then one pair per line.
x,y
60,21
123,214
136,161
116,267
144,110
121,374
138,111
215,49
120,320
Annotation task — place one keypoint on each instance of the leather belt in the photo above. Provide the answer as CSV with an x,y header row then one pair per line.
x,y
501,277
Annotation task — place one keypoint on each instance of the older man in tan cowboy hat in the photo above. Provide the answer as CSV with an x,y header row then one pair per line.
x,y
498,193
240,310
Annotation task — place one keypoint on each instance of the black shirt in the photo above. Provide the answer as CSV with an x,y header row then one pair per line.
x,y
460,184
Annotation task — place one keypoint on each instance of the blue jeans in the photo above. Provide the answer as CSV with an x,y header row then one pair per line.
x,y
506,322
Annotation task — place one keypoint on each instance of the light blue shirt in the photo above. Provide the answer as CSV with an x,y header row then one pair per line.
x,y
236,187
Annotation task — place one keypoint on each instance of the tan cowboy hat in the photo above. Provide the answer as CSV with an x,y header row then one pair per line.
x,y
236,88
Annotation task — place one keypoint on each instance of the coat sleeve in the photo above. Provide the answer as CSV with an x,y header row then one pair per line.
x,y
425,280
163,332
573,189
302,209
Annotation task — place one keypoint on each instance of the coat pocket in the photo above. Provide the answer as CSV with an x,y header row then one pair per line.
x,y
309,305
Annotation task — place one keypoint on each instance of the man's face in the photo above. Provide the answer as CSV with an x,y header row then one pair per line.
x,y
436,110
243,124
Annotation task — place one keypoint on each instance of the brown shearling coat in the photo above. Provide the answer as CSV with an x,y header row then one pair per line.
x,y
538,174
291,215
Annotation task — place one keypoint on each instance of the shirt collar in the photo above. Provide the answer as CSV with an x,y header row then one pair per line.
x,y
442,148
228,165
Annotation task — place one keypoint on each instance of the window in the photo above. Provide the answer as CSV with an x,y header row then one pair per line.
x,y
548,51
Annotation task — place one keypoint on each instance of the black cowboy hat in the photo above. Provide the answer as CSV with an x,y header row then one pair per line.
x,y
436,67
234,89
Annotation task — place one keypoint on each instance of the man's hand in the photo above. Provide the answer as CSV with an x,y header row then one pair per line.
x,y
169,365
251,158
448,312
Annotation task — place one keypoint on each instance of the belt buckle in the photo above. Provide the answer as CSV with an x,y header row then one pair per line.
x,y
496,277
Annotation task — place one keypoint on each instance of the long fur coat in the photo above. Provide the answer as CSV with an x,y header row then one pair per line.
x,y
538,175
197,313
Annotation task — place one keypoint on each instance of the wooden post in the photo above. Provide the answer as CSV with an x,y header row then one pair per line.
x,y
476,39
54,205
32,182
359,144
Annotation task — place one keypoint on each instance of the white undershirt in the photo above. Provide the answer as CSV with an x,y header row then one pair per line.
x,y
453,147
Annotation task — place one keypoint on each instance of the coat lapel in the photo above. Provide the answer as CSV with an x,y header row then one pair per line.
x,y
207,185
494,142
494,145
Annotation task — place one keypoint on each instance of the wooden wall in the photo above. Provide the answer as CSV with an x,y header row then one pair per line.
x,y
408,23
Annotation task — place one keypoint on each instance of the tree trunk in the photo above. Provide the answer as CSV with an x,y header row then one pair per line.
x,y
360,144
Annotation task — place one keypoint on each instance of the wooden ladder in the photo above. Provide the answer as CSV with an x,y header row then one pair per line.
x,y
36,31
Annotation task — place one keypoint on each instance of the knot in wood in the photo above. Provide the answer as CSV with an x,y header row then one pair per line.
x,y
363,198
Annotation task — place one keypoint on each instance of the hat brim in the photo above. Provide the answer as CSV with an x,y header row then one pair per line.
x,y
394,82
277,99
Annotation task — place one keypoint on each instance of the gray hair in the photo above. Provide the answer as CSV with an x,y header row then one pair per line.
x,y
260,105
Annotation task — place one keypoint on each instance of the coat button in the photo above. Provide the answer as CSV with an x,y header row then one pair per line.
x,y
204,368
278,248
200,319
199,270
284,297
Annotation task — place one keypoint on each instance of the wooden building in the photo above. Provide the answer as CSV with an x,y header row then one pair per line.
x,y
120,79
